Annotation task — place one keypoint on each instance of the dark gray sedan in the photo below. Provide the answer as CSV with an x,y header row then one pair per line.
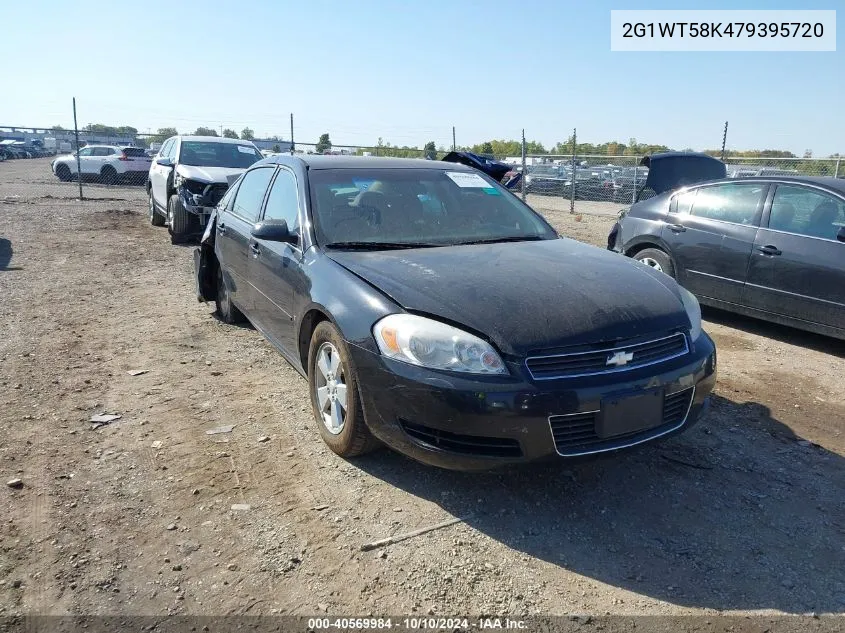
x,y
768,247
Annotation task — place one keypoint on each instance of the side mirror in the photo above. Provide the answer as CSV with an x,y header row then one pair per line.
x,y
273,231
164,162
841,234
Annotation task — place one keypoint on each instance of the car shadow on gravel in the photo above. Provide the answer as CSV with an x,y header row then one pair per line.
x,y
737,513
6,252
782,333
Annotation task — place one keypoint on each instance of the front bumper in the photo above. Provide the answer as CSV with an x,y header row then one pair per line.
x,y
477,423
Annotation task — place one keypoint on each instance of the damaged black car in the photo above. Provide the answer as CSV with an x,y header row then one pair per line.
x,y
432,311
188,178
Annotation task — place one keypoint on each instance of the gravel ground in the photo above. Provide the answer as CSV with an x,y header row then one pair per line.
x,y
151,515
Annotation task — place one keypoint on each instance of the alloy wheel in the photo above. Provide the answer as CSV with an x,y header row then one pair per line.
x,y
330,385
648,261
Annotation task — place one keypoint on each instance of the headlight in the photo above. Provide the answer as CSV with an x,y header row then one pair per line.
x,y
693,312
428,343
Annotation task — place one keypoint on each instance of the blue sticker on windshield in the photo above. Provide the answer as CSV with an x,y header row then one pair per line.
x,y
492,191
362,185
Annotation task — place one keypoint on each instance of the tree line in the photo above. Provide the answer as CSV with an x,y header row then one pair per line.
x,y
496,148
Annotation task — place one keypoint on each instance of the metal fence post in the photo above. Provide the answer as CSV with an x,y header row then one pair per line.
x,y
636,183
572,180
524,169
836,173
78,162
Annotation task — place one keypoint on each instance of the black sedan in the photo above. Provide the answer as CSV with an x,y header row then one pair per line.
x,y
768,247
432,311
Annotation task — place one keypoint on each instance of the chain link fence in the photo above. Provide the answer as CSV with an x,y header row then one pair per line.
x,y
49,160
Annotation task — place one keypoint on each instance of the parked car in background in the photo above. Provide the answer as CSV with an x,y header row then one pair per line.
x,y
188,178
546,179
355,269
14,149
768,247
108,163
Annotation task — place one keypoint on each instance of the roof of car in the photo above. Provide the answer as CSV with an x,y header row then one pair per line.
x,y
822,181
214,139
321,161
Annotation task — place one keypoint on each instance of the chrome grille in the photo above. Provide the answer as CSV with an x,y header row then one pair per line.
x,y
575,434
593,362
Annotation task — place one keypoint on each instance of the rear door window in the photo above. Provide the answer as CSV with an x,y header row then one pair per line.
x,y
135,152
731,202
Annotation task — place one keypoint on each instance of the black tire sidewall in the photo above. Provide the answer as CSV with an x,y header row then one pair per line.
x,y
180,219
355,436
226,310
660,256
109,175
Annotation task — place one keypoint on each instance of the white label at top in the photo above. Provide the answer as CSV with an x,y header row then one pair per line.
x,y
464,179
723,30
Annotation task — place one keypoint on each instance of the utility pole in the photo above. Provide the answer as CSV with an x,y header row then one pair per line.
x,y
291,133
221,129
78,162
454,146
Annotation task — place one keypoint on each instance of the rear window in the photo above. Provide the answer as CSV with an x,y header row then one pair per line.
x,y
135,151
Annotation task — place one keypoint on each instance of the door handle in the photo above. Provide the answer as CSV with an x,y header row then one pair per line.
x,y
677,228
255,248
221,228
768,249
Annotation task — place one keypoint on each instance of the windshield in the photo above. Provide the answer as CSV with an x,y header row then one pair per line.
x,y
211,154
430,207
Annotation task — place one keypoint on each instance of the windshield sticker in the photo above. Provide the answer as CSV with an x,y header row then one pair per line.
x,y
492,191
245,150
463,179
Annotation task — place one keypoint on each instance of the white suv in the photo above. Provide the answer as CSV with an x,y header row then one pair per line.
x,y
189,177
109,163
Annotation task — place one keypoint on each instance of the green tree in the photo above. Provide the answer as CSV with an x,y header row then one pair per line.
x,y
486,148
430,150
247,134
163,134
228,133
325,144
205,131
57,128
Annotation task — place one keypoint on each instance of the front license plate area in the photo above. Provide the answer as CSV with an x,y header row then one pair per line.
x,y
630,413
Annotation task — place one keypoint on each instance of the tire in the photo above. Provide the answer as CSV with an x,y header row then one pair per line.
x,y
226,310
333,383
657,259
109,175
156,218
179,220
63,173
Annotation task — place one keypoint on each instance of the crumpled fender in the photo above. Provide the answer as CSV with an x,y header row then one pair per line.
x,y
206,264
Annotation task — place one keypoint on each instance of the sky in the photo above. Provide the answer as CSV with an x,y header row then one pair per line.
x,y
408,71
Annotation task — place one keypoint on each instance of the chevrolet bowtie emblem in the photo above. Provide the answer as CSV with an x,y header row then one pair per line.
x,y
619,359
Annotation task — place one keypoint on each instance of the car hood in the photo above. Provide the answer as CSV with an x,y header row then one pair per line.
x,y
671,170
209,174
526,296
492,168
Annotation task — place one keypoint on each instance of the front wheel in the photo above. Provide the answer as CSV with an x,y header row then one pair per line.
x,y
657,259
333,383
179,220
63,173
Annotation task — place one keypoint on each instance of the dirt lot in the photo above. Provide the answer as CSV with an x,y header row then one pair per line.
x,y
742,514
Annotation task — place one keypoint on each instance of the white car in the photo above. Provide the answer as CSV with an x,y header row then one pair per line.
x,y
189,177
109,163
